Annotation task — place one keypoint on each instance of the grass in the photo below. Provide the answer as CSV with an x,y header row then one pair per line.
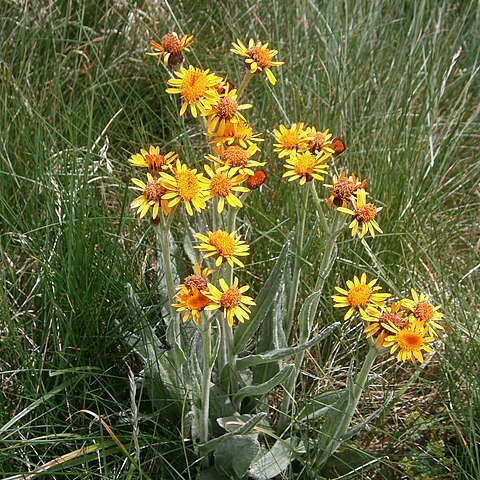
x,y
398,82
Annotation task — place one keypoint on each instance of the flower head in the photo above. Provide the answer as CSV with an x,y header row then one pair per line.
x,y
222,185
409,341
224,246
359,296
235,158
256,180
152,196
152,159
421,310
378,318
185,185
338,146
258,58
239,133
342,189
191,295
289,140
231,301
364,215
317,141
226,110
170,48
196,88
305,166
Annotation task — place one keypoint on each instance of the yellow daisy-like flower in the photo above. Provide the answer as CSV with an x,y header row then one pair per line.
x,y
152,159
421,310
187,186
240,133
342,189
152,196
289,140
224,246
364,215
409,341
231,301
359,296
196,88
317,141
235,159
170,48
258,57
377,318
222,185
305,166
191,296
226,110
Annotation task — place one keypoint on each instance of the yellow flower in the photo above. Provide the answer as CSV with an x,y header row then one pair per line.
x,y
152,159
317,141
231,301
378,319
191,296
237,134
421,310
223,184
196,88
359,296
289,140
409,341
364,215
258,57
187,186
235,159
226,110
224,246
305,166
152,196
170,48
342,189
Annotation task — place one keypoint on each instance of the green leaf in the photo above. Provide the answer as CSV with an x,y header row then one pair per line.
x,y
264,388
235,454
275,460
319,406
280,354
264,300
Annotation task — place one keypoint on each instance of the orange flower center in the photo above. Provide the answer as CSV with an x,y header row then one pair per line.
x,y
409,340
221,185
197,301
187,185
231,298
366,213
195,281
390,317
316,143
257,179
194,85
338,146
305,164
343,189
155,161
235,156
260,55
227,108
223,242
170,43
153,191
359,296
423,311
289,140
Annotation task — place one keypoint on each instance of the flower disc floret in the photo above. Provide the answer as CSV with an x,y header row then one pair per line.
x,y
342,189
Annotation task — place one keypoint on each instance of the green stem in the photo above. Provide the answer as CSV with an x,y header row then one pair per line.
x,y
206,378
355,392
294,287
320,211
246,79
162,234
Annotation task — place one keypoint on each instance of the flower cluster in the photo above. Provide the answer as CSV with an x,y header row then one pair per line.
x,y
406,327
